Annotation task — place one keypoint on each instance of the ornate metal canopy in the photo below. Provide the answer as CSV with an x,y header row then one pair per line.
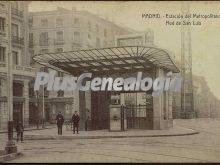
x,y
108,61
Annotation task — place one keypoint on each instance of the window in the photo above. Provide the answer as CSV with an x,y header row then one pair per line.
x,y
2,54
31,40
31,89
59,74
2,24
14,30
30,21
18,89
59,22
14,5
44,22
31,53
97,42
97,29
15,58
76,21
89,26
2,5
60,36
58,50
105,33
76,36
44,38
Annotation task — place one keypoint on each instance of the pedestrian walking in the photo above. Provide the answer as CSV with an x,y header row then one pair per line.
x,y
19,129
75,120
60,121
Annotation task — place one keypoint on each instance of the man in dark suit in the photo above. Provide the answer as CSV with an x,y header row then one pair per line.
x,y
60,121
75,120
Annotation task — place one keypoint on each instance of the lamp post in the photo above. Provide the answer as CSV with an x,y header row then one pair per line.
x,y
43,111
37,104
10,146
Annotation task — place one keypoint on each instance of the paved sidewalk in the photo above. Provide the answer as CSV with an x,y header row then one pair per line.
x,y
30,128
50,134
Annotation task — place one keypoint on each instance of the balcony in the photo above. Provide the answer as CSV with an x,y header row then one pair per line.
x,y
58,42
19,70
17,40
17,12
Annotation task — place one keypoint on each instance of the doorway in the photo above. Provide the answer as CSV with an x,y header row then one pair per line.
x,y
17,112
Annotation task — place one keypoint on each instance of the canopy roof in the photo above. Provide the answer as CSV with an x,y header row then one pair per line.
x,y
111,60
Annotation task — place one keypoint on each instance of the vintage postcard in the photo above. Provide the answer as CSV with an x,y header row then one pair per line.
x,y
109,81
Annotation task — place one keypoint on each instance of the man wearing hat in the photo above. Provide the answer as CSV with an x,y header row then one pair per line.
x,y
60,121
75,120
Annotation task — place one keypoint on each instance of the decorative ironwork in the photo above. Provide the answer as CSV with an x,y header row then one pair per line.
x,y
106,61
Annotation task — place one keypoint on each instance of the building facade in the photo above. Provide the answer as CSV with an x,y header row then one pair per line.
x,y
206,104
65,30
22,72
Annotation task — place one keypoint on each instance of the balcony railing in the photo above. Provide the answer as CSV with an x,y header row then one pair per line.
x,y
17,40
19,70
17,12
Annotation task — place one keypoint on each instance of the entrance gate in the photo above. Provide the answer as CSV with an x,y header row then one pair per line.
x,y
140,116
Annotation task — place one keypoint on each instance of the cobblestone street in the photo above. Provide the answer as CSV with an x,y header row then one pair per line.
x,y
202,147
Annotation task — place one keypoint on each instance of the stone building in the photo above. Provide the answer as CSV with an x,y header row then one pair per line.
x,y
22,72
206,104
65,30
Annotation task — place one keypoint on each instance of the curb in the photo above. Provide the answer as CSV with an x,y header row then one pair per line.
x,y
31,129
51,137
11,156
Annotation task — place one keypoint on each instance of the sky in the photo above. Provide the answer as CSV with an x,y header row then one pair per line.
x,y
205,38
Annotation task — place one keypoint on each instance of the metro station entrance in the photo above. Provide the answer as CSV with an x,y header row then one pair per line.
x,y
154,113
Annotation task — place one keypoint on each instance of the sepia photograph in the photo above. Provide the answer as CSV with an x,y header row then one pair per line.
x,y
109,82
